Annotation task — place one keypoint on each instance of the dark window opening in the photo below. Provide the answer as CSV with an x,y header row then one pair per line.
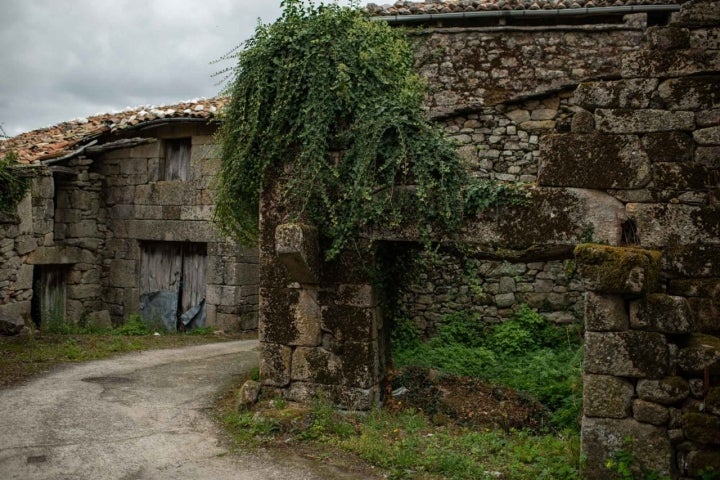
x,y
175,164
629,233
658,19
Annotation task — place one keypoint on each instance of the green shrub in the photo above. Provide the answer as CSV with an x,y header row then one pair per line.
x,y
133,327
12,186
526,353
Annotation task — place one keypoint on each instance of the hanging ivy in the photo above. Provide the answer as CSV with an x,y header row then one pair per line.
x,y
12,186
330,96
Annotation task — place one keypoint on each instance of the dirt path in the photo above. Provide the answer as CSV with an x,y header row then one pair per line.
x,y
139,416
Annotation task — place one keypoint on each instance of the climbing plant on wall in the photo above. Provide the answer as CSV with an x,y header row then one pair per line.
x,y
12,186
329,98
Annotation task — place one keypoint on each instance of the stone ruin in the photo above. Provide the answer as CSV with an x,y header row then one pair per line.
x,y
615,120
625,168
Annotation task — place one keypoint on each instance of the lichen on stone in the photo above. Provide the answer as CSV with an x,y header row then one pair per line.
x,y
618,269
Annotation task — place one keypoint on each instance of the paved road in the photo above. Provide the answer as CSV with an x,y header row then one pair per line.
x,y
139,416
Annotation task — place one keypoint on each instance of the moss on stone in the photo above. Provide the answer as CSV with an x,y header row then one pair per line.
x,y
702,428
618,269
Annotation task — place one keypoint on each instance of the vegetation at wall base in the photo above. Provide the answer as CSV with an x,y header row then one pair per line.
x,y
526,353
327,99
12,186
406,444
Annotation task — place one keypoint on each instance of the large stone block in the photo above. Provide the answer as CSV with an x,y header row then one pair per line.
x,y
666,391
699,261
618,269
671,178
197,212
123,274
306,317
634,93
707,136
662,313
672,63
649,412
13,316
168,193
275,361
643,121
708,156
667,38
601,438
607,396
555,217
627,354
696,287
605,313
83,229
593,160
691,93
275,314
348,323
706,314
171,230
698,353
60,255
668,147
316,365
699,13
701,428
343,397
297,248
660,225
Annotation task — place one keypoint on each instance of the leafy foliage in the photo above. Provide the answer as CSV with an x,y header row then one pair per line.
x,y
327,98
526,353
12,186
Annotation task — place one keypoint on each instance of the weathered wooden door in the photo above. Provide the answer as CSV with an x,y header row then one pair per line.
x,y
49,295
173,284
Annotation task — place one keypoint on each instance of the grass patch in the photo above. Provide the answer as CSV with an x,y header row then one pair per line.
x,y
406,445
24,357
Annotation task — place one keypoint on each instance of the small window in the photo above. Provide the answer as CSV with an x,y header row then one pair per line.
x,y
175,164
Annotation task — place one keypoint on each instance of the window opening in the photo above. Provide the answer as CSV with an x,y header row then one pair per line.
x,y
175,164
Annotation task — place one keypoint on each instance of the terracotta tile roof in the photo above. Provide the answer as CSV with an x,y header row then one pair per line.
x,y
460,6
66,137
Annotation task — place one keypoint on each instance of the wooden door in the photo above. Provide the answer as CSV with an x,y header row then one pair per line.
x,y
173,282
49,296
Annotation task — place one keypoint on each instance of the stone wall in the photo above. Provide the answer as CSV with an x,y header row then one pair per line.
x,y
498,92
652,140
473,68
20,235
489,290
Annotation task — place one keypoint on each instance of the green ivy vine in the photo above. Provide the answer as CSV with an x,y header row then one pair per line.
x,y
328,99
12,186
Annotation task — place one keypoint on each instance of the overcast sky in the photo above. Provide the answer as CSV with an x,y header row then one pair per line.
x,y
64,59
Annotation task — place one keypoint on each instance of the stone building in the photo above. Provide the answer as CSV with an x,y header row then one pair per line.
x,y
611,114
119,222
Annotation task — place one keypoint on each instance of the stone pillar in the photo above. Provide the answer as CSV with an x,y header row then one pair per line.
x,y
319,322
619,359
